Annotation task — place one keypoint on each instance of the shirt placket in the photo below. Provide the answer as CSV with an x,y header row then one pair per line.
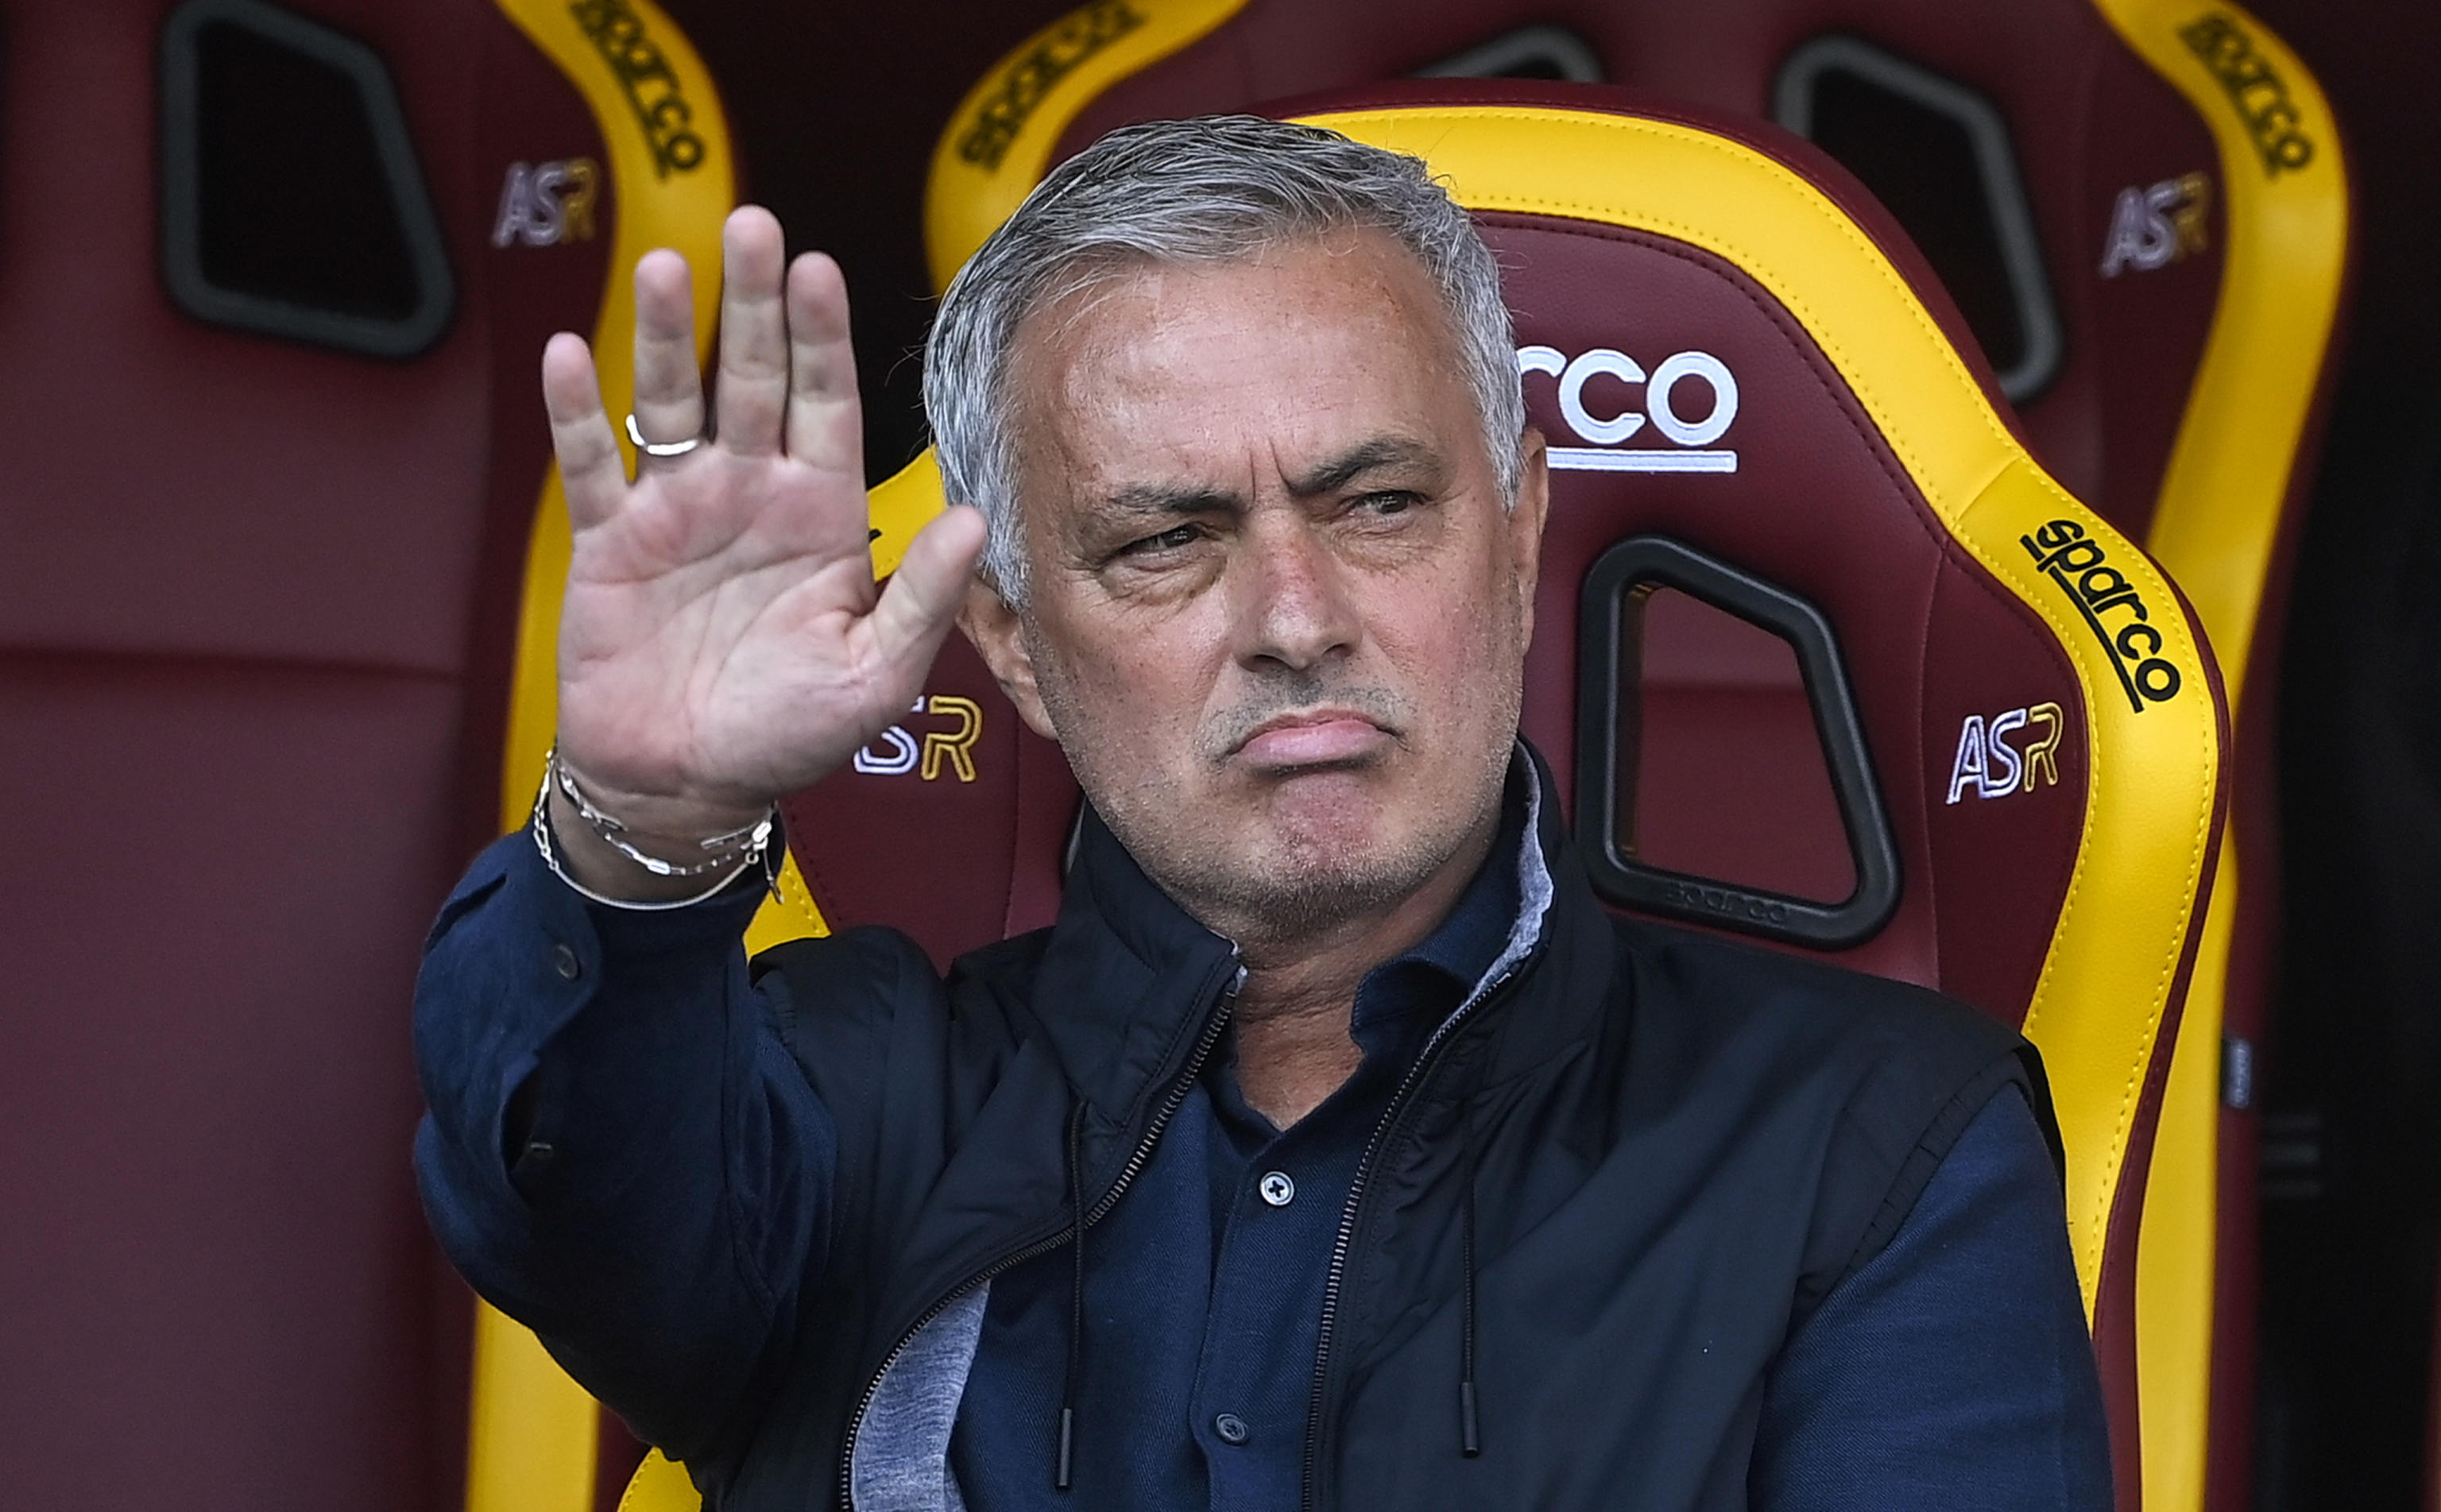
x,y
1249,1405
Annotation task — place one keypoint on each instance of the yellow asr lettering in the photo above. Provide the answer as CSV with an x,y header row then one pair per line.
x,y
576,204
2038,755
953,745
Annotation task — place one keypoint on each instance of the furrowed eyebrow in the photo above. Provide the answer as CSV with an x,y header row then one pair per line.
x,y
1382,451
1167,500
1153,499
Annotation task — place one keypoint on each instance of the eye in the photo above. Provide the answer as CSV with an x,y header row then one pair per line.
x,y
1178,537
1389,502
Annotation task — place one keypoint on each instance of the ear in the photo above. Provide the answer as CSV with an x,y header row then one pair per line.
x,y
1525,519
998,637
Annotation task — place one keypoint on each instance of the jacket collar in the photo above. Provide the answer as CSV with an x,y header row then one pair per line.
x,y
1129,980
1542,839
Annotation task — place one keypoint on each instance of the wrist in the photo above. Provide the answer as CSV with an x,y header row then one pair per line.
x,y
605,856
669,825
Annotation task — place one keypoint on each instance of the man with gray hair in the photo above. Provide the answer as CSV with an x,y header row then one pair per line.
x,y
1334,1148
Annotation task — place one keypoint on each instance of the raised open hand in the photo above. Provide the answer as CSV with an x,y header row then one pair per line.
x,y
723,641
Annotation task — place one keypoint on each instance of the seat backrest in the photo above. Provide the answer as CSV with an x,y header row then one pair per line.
x,y
2140,207
276,276
2001,704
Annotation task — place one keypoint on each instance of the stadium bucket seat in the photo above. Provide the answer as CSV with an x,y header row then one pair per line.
x,y
275,279
1929,715
2139,207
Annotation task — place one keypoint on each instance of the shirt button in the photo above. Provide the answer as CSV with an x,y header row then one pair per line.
x,y
1277,1188
1231,1427
564,961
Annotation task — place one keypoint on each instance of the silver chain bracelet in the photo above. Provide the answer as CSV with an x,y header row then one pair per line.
x,y
750,844
719,851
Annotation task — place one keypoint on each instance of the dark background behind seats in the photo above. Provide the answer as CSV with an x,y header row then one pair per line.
x,y
2353,1063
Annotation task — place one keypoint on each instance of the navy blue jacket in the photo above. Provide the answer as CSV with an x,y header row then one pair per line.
x,y
1664,1154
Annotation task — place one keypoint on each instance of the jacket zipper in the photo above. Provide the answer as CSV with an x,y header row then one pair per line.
x,y
1186,1079
1426,1060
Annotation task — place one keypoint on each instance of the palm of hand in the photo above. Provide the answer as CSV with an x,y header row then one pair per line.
x,y
722,641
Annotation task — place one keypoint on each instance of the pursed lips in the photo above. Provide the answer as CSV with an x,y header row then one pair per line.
x,y
1308,737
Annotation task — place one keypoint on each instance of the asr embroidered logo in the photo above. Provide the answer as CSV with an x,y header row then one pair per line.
x,y
545,204
2083,571
1987,765
954,748
2154,226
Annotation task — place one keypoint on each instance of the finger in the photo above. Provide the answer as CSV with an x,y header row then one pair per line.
x,y
922,597
753,338
669,388
591,472
825,426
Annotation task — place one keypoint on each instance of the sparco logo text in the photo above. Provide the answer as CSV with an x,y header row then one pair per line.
x,y
2118,615
1677,410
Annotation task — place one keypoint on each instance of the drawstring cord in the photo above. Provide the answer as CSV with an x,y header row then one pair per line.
x,y
1063,1479
1470,1441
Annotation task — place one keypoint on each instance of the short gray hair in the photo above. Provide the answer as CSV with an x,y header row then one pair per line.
x,y
1210,190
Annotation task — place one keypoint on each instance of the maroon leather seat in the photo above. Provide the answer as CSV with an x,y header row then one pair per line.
x,y
1781,600
2140,211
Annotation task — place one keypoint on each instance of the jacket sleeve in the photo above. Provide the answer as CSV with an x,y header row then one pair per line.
x,y
1953,1369
618,1150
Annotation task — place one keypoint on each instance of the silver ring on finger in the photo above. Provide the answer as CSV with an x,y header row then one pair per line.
x,y
676,448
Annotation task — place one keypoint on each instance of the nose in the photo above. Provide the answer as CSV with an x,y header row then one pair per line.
x,y
1290,600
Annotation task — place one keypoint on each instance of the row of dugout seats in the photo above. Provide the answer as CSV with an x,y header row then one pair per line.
x,y
2059,254
2119,259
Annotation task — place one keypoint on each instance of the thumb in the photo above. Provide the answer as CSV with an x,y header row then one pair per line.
x,y
922,599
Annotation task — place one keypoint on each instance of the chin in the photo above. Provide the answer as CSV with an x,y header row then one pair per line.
x,y
1321,865
1337,799
1300,894
1334,816
1259,854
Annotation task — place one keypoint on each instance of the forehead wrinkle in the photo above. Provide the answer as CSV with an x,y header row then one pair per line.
x,y
1072,330
1366,456
1165,499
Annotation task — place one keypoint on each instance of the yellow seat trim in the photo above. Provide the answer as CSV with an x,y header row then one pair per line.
x,y
2153,775
2215,528
534,1432
660,1486
999,141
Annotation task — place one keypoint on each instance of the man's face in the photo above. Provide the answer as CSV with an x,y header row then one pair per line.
x,y
1278,616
